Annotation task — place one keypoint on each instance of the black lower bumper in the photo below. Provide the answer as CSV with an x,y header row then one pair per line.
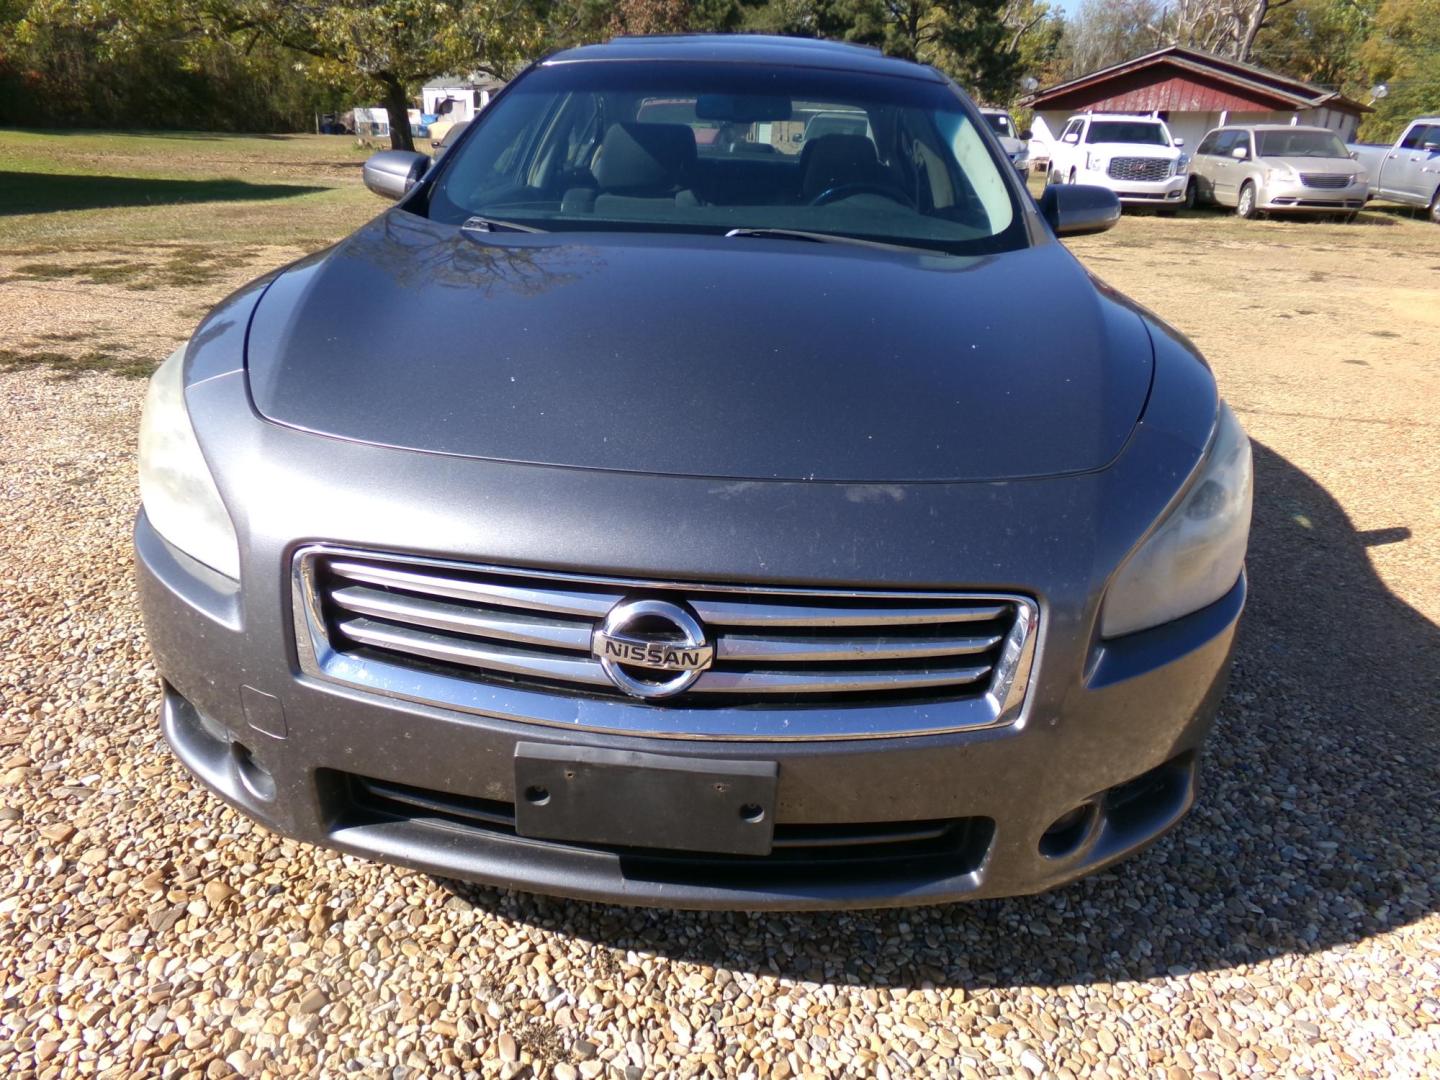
x,y
866,823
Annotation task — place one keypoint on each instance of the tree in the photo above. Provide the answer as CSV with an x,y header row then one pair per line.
x,y
1106,32
1403,52
1034,32
392,44
967,40
1318,40
388,45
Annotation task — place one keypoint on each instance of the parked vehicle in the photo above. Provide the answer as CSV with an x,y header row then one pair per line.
x,y
1276,168
452,132
736,536
1409,171
1133,156
1016,144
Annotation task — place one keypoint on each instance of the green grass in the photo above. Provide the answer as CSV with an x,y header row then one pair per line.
x,y
68,191
191,214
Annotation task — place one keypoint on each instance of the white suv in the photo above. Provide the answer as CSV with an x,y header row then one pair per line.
x,y
1133,156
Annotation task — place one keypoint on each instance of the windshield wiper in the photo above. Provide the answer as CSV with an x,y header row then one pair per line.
x,y
486,224
833,238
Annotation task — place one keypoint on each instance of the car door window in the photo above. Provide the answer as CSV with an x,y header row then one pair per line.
x,y
1414,137
1208,144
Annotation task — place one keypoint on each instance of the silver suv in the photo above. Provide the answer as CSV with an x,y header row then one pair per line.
x,y
1265,168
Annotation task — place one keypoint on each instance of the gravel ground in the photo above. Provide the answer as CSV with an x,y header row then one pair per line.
x,y
1290,927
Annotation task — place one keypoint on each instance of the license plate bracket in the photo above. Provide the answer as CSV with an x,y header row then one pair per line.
x,y
630,799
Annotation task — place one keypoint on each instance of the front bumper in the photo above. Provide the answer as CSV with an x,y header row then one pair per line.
x,y
1279,196
1170,191
324,763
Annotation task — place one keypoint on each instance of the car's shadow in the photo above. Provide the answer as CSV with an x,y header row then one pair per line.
x,y
1316,826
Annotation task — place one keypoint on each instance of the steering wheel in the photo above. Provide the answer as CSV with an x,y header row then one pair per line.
x,y
844,191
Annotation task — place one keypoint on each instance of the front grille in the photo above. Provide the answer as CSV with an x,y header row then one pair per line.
x,y
465,635
1330,181
948,846
1139,168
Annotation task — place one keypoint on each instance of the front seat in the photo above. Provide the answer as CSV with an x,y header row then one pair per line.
x,y
836,160
640,167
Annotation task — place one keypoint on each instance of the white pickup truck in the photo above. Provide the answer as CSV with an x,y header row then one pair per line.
x,y
1409,171
1133,156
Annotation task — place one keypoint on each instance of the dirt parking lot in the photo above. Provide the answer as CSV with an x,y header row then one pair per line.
x,y
1290,927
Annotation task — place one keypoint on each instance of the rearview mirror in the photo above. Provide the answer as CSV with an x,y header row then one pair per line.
x,y
1079,209
1073,137
1178,142
1240,153
742,108
391,173
1431,145
1025,135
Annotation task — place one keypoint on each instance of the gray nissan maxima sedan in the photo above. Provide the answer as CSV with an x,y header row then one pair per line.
x,y
762,521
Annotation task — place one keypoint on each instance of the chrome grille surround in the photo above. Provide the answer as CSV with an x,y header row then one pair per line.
x,y
409,627
1331,181
1139,168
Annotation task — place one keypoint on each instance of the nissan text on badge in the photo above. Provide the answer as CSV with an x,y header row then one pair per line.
x,y
723,544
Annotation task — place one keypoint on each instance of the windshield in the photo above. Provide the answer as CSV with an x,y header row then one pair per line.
x,y
1000,124
709,147
1319,144
1127,131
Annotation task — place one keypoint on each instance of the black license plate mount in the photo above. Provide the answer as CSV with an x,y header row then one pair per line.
x,y
629,799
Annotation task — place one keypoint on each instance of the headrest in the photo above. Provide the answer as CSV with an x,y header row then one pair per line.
x,y
645,156
832,159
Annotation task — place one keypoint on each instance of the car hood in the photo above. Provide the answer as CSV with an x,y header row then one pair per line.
x,y
1335,166
1125,149
1011,146
743,358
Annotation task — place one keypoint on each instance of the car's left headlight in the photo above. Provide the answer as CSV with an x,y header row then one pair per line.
x,y
1195,555
1181,164
176,488
1361,178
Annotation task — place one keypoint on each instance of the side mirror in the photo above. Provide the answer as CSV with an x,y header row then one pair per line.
x,y
1178,142
1079,209
1240,153
1431,146
1072,138
391,173
1026,135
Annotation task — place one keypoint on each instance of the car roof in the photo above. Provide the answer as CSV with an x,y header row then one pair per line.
x,y
1275,127
749,48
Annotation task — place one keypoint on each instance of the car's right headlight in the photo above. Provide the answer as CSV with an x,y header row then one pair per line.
x,y
1194,557
176,487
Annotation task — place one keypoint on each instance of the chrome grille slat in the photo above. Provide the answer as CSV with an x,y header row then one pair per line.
x,y
454,650
1331,181
842,682
1138,168
457,618
559,601
797,649
748,613
788,662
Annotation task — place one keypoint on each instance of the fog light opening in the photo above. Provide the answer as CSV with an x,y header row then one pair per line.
x,y
253,775
1067,832
537,795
